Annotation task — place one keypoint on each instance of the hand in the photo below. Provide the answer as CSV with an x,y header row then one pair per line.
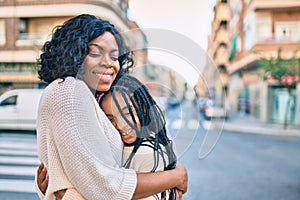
x,y
182,174
178,194
60,194
42,178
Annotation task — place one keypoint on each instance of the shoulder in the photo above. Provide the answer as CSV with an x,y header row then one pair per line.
x,y
62,94
69,83
67,87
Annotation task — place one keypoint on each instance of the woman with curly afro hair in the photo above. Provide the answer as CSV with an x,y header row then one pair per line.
x,y
78,145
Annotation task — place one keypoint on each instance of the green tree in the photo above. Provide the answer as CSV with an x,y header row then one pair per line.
x,y
285,72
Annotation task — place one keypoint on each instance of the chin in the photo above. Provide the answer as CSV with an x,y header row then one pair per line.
x,y
103,88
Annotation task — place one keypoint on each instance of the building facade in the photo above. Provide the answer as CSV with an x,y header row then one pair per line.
x,y
25,25
213,82
258,28
243,32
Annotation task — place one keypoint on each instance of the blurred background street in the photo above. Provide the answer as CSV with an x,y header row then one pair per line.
x,y
225,72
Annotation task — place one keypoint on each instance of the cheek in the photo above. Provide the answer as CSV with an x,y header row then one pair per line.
x,y
117,67
137,121
89,63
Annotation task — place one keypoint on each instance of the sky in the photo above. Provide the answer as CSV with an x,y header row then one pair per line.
x,y
192,18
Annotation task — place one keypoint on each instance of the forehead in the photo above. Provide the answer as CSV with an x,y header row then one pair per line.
x,y
108,101
106,39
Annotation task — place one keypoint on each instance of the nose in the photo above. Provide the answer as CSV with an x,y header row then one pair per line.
x,y
106,61
121,124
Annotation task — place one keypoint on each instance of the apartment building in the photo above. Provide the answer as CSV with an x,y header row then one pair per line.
x,y
243,32
26,24
258,28
213,82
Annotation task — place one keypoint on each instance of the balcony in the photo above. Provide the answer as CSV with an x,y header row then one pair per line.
x,y
274,4
31,39
222,36
223,12
17,67
273,43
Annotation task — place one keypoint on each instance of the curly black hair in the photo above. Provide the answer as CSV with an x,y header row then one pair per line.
x,y
65,53
152,123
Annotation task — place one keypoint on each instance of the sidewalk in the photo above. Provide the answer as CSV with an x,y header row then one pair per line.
x,y
248,124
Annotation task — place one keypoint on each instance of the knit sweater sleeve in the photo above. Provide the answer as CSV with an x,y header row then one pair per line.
x,y
85,150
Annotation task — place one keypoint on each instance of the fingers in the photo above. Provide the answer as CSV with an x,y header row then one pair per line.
x,y
41,166
179,194
42,178
60,194
183,184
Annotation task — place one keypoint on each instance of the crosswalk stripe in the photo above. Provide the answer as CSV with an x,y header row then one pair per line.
x,y
26,186
18,164
18,170
180,123
17,145
193,124
15,152
19,160
177,124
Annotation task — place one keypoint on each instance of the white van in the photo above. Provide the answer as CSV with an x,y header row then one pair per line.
x,y
18,109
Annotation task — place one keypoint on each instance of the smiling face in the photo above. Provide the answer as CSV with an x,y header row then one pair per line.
x,y
111,110
101,64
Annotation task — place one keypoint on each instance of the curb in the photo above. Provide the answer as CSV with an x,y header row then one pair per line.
x,y
273,131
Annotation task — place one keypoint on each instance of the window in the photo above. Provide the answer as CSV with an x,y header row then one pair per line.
x,y
23,26
287,31
10,101
263,27
2,32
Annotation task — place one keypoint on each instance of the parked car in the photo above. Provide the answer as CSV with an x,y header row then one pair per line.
x,y
202,103
213,110
18,109
172,102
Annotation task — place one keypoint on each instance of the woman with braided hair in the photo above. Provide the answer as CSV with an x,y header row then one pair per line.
x,y
141,124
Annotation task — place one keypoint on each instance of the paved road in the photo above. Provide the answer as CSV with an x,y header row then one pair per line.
x,y
240,166
18,162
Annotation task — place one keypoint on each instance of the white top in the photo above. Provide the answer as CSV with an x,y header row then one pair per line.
x,y
79,146
143,161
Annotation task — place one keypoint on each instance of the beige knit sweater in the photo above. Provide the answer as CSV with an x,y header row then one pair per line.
x,y
79,146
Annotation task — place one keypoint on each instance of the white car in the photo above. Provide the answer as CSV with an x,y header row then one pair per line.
x,y
18,109
213,110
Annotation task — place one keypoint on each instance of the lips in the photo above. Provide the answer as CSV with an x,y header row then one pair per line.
x,y
125,133
105,76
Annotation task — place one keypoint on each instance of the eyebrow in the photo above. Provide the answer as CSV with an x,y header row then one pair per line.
x,y
101,48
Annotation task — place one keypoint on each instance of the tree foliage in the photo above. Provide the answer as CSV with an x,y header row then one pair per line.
x,y
284,71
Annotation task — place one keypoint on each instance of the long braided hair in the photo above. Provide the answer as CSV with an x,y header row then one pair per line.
x,y
152,130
